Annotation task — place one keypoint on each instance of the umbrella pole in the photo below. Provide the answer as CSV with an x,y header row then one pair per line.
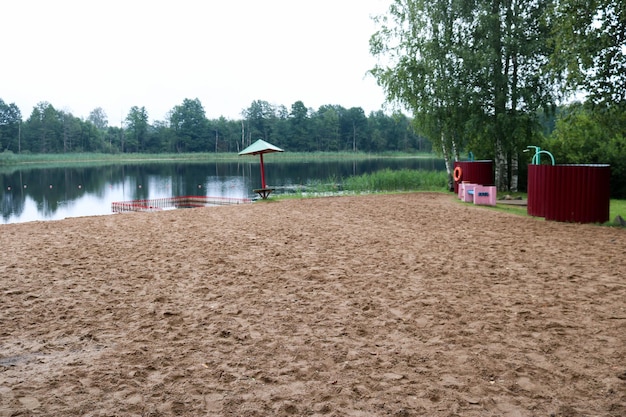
x,y
262,172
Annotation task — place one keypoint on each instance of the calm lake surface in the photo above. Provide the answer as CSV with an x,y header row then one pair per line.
x,y
56,193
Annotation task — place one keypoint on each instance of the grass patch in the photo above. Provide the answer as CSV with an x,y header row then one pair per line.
x,y
384,181
340,156
509,208
10,158
617,207
388,180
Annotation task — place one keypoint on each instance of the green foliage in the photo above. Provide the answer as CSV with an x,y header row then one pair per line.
x,y
589,48
401,180
586,134
576,136
427,73
471,73
136,130
10,120
190,126
98,118
613,152
617,208
386,180
7,157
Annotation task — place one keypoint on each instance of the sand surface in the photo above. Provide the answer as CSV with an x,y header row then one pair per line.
x,y
400,305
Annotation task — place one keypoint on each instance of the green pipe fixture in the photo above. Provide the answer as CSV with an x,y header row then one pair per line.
x,y
536,160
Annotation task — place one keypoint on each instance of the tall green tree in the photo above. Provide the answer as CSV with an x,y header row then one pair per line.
x,y
327,128
136,130
99,118
470,71
71,132
91,138
43,130
227,134
354,129
300,127
10,120
113,139
424,47
379,124
260,119
191,127
513,36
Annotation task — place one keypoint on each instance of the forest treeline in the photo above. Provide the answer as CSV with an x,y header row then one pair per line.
x,y
186,129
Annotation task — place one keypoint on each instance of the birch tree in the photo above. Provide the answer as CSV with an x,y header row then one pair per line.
x,y
421,46
472,73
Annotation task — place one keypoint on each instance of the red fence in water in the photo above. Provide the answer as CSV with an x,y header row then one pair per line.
x,y
569,193
157,204
474,172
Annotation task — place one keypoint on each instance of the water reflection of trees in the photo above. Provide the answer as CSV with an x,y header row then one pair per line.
x,y
47,187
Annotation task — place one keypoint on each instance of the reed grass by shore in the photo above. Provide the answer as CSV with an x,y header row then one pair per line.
x,y
401,180
386,180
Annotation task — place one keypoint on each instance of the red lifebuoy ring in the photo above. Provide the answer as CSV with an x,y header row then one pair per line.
x,y
458,173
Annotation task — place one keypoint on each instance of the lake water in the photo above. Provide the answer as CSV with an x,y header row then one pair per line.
x,y
56,193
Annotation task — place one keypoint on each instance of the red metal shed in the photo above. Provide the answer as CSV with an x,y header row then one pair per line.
x,y
475,172
569,193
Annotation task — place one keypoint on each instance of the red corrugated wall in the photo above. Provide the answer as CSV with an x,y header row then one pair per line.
x,y
569,193
475,172
537,190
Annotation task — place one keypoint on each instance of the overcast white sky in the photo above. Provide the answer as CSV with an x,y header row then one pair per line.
x,y
82,54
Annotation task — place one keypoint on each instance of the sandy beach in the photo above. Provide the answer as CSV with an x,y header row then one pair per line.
x,y
384,305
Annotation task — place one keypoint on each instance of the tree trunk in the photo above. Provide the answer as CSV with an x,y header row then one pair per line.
x,y
243,137
500,97
501,166
65,140
515,172
448,162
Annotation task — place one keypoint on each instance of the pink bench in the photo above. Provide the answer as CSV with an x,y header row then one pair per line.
x,y
466,192
478,194
484,195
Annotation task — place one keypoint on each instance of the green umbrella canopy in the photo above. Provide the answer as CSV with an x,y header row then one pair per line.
x,y
260,147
